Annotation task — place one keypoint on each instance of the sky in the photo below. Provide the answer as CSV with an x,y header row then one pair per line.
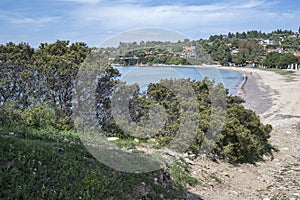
x,y
94,21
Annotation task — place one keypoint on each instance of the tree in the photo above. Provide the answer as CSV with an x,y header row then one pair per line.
x,y
250,49
58,64
287,59
272,59
17,73
222,55
275,59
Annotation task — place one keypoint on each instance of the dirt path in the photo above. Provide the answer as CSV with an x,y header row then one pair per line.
x,y
276,98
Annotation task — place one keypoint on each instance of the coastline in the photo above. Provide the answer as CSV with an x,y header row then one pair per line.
x,y
271,95
275,98
266,92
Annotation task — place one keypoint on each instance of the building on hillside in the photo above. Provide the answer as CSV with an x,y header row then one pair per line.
x,y
188,51
148,53
252,63
267,42
224,36
297,55
235,51
277,49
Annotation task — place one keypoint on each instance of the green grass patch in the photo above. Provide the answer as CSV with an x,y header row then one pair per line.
x,y
50,164
180,174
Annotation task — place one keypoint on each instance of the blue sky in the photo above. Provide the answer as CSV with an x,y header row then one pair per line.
x,y
93,21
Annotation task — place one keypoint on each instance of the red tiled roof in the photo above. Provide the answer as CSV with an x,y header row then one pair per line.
x,y
297,54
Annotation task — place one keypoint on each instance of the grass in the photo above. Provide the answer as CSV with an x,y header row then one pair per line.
x,y
179,172
277,70
51,164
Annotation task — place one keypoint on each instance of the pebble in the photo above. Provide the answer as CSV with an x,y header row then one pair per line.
x,y
136,140
112,139
189,161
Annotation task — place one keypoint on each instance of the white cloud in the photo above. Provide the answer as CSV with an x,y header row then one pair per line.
x,y
93,21
82,1
30,20
175,15
194,20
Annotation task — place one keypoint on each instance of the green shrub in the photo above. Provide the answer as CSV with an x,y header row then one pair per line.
x,y
40,115
10,115
229,130
180,174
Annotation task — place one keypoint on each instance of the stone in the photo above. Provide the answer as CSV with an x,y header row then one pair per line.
x,y
110,139
189,161
136,140
191,196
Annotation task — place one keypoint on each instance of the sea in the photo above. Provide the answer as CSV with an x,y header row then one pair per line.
x,y
144,75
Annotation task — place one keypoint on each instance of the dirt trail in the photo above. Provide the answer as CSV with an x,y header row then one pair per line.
x,y
276,98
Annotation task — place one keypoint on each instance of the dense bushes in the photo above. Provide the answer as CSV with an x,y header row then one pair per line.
x,y
36,91
227,128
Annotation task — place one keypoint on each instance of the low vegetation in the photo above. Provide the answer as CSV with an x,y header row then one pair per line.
x,y
41,156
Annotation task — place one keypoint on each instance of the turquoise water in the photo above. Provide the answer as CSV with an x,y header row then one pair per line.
x,y
146,75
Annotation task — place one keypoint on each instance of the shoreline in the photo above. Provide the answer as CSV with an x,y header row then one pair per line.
x,y
266,92
275,98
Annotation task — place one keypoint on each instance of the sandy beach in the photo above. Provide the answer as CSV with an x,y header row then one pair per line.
x,y
276,99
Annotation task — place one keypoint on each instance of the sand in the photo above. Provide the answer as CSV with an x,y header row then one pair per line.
x,y
276,99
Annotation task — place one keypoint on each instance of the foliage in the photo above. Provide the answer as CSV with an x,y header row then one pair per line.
x,y
40,115
243,137
278,60
10,115
49,164
180,173
33,78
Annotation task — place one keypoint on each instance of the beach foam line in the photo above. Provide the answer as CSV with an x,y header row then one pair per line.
x,y
241,88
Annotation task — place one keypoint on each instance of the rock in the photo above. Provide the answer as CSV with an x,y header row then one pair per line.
x,y
136,140
296,194
268,158
191,196
188,161
110,139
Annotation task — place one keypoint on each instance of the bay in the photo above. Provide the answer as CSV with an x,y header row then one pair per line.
x,y
144,75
